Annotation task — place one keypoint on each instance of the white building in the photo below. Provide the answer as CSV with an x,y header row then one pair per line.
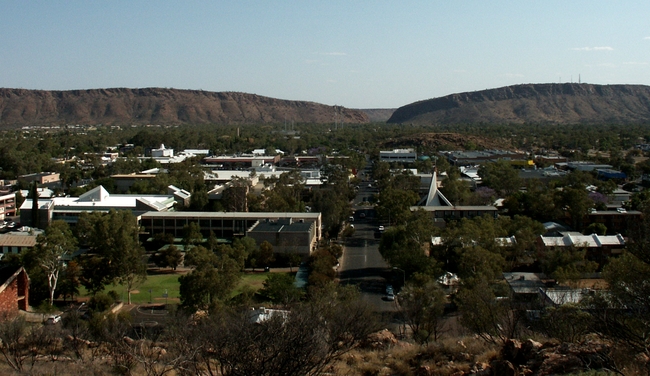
x,y
162,152
398,156
97,199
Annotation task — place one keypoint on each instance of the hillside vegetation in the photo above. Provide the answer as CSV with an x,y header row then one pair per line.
x,y
122,106
534,103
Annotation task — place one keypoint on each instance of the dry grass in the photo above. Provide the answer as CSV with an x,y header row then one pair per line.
x,y
446,357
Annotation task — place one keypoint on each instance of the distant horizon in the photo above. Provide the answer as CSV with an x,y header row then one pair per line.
x,y
306,100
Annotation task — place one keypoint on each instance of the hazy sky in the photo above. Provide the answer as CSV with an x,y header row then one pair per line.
x,y
359,54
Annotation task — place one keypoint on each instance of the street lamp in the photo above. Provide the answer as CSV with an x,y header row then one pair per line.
x,y
403,275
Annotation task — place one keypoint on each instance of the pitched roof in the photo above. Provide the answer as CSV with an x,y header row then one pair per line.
x,y
435,197
17,240
97,194
8,274
579,240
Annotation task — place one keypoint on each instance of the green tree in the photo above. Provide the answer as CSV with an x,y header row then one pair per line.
x,y
212,242
538,202
215,276
192,235
279,288
209,283
622,313
334,207
246,245
501,177
70,280
52,246
567,264
283,193
265,255
202,288
405,246
19,199
577,203
568,322
455,190
489,317
526,231
294,259
198,256
169,257
116,253
595,228
477,263
395,205
422,303
235,196
304,341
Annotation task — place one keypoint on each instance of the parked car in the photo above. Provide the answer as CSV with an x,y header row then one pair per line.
x,y
390,297
381,228
54,319
389,289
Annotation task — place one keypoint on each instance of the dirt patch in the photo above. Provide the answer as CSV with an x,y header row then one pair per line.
x,y
448,141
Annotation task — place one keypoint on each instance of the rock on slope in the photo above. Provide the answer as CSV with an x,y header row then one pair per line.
x,y
19,107
534,103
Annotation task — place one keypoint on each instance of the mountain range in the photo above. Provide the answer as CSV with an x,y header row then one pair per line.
x,y
120,106
568,103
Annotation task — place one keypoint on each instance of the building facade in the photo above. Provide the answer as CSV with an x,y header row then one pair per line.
x,y
287,232
14,291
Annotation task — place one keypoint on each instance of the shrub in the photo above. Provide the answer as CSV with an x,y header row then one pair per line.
x,y
101,302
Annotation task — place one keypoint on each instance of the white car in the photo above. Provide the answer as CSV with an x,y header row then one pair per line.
x,y
54,319
381,228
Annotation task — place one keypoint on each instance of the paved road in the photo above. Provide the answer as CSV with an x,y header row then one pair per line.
x,y
362,264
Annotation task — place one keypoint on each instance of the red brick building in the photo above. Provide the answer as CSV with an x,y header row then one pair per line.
x,y
14,291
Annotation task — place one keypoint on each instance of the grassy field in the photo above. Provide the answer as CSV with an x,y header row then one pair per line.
x,y
168,282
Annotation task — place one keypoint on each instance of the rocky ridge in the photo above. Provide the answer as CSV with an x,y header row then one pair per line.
x,y
534,103
121,106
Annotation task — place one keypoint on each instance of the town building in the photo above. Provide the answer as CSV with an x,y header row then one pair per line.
x,y
599,247
557,296
442,210
582,166
18,241
124,182
14,291
49,179
471,158
7,205
287,232
240,161
616,221
97,199
610,174
398,156
525,286
162,152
